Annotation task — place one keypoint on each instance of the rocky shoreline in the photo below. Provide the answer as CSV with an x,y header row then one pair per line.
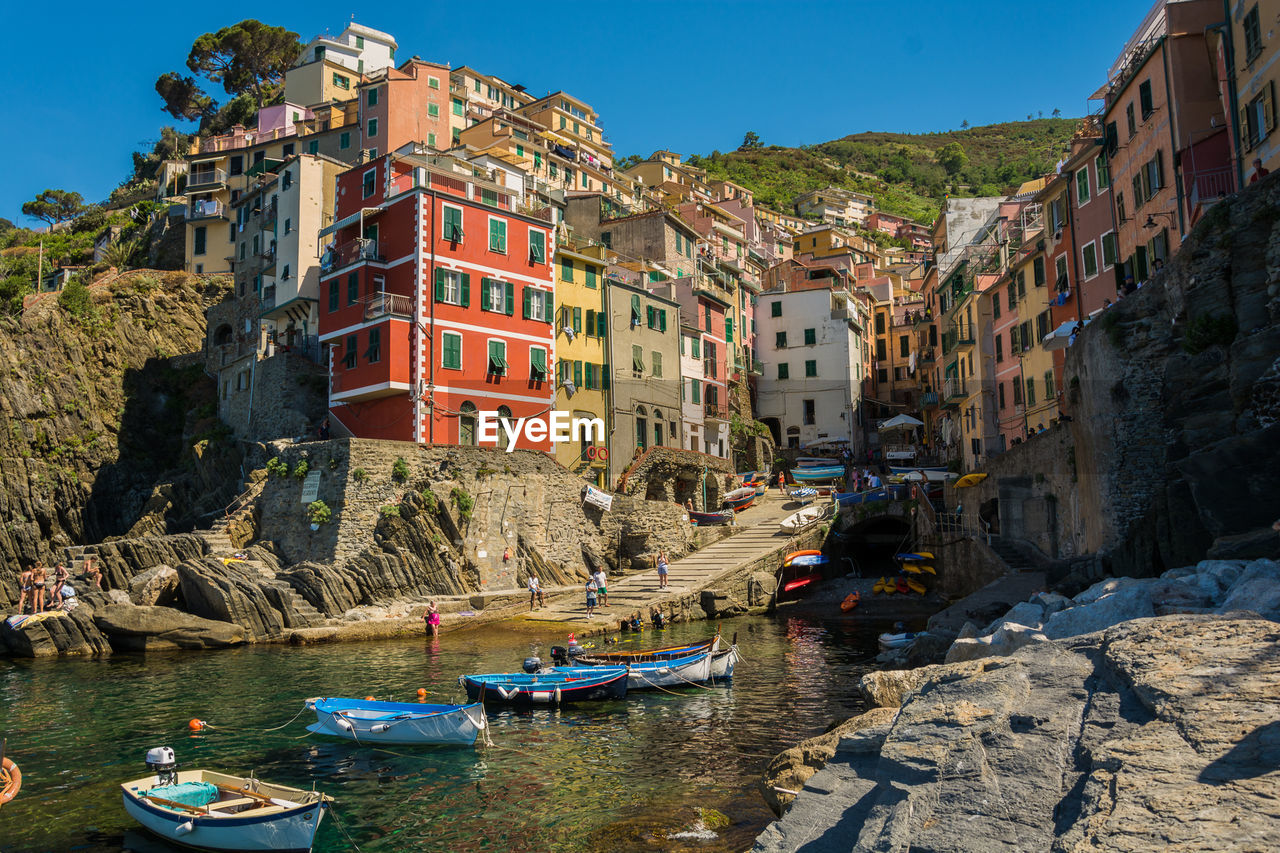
x,y
1140,715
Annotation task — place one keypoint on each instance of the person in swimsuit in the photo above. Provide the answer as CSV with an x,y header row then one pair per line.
x,y
25,596
38,575
432,617
92,572
662,570
59,581
535,592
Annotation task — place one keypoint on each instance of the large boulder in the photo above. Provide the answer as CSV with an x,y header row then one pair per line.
x,y
157,586
55,633
1257,589
133,628
230,592
1005,640
718,604
890,688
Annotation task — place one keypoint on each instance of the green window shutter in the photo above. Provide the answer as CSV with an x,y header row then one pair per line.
x,y
439,285
528,298
577,320
538,362
810,336
604,377
728,329
577,374
784,370
566,269
697,347
452,224
637,358
635,308
497,235
662,320
537,246
657,364
775,309
452,351
588,375
651,316
511,299
591,322
602,324
466,290
591,277
811,368
695,387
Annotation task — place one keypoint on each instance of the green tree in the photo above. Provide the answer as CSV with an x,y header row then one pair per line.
x,y
964,125
624,163
249,57
183,97
750,142
952,158
54,206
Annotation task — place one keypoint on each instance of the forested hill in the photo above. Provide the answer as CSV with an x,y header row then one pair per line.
x,y
908,174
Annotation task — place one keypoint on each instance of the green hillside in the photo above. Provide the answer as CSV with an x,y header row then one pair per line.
x,y
907,173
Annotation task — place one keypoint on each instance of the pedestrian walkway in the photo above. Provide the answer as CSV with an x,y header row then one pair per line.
x,y
756,537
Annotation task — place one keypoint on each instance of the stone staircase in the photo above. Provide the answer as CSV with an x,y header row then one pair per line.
x,y
1015,554
296,610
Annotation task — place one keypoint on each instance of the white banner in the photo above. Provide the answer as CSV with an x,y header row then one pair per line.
x,y
594,496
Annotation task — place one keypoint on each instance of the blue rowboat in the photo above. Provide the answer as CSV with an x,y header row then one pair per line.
x,y
826,472
365,721
740,499
559,653
816,462
869,496
646,675
547,688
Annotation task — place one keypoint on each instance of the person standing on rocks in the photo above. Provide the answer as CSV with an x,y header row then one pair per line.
x,y
26,594
432,617
662,569
602,586
591,596
59,581
535,591
38,577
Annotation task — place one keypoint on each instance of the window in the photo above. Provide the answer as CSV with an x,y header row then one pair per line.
x,y
1144,99
1031,391
538,250
728,329
1048,384
1042,325
1038,271
498,358
1258,118
566,269
810,415
706,311
237,165
353,288
431,140
1108,250
313,147
1082,186
591,280
334,289
284,273
1000,347
1090,253
1013,296
1129,119
810,337
453,287
497,236
882,351
1017,392
433,82
1060,266
368,182
288,226
372,98
657,364
879,322
695,391
198,238
882,375
637,360
1120,206
1103,171
1015,341
904,346
349,353
537,306
373,128
695,347
286,151
433,110
538,366
1252,34
452,230
780,340
373,354
784,370
339,81
775,309
1000,393
497,296
995,306
811,368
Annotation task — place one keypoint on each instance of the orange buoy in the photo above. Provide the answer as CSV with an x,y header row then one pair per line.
x,y
10,781
422,691
196,725
368,698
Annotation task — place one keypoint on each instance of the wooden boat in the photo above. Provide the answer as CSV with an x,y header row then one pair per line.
x,y
800,521
809,475
761,488
547,688
365,721
706,519
722,663
215,811
646,675
816,462
897,641
559,653
740,499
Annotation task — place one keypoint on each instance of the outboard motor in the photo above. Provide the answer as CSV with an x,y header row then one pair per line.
x,y
161,762
532,665
559,656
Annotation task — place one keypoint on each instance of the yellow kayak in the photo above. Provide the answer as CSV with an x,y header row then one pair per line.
x,y
911,568
880,586
915,585
924,567
969,480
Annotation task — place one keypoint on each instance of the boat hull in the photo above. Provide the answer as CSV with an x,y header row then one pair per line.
x,y
398,723
809,475
668,653
544,689
896,641
722,663
705,519
651,675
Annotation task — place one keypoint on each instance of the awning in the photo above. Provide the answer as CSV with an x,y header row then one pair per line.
x,y
497,364
1060,338
209,158
900,422
350,220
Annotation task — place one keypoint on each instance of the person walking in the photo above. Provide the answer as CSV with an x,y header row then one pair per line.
x,y
662,569
591,595
535,591
602,587
432,617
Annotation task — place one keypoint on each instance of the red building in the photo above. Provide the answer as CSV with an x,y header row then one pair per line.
x,y
436,303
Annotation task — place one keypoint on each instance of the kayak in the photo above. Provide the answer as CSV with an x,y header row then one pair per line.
x,y
850,601
880,586
913,556
915,586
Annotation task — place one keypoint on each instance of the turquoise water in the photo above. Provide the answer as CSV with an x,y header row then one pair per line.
x,y
628,775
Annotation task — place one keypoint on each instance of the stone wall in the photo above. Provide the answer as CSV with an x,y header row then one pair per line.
x,y
1174,450
674,475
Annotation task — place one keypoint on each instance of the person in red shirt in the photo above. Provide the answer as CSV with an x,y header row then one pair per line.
x,y
1258,171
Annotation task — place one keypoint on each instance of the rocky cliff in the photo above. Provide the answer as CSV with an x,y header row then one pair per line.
x,y
98,425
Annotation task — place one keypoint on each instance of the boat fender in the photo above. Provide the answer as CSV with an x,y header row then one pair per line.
x,y
557,695
379,728
504,692
184,827
541,695
345,725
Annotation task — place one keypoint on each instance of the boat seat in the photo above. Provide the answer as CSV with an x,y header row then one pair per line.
x,y
233,804
267,810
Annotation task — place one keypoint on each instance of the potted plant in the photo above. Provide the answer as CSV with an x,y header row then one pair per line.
x,y
318,513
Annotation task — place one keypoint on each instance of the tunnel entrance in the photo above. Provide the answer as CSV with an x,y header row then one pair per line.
x,y
870,543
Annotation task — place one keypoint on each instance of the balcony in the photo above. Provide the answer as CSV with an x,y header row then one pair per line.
x,y
929,398
267,257
928,356
206,210
351,252
269,213
709,369
953,391
757,368
1208,187
206,179
384,304
715,412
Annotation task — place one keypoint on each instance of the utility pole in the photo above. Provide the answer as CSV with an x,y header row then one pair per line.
x,y
40,268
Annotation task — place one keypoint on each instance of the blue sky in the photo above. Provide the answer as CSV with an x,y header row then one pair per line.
x,y
690,76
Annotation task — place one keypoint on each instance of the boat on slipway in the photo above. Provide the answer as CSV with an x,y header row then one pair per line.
x,y
406,723
740,499
817,474
800,521
707,519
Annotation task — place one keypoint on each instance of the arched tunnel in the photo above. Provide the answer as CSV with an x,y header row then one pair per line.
x,y
870,543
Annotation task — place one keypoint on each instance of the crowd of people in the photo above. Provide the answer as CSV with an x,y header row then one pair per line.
x,y
43,590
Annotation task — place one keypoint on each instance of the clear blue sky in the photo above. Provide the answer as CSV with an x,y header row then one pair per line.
x,y
690,76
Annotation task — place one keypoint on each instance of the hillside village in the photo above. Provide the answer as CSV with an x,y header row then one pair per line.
x,y
419,244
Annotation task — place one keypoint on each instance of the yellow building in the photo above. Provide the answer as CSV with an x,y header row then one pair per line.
x,y
1256,40
1039,394
582,346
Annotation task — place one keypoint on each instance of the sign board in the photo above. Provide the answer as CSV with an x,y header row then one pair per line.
x,y
595,497
311,487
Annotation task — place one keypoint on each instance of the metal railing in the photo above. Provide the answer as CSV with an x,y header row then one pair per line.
x,y
716,411
208,209
350,252
1208,185
206,177
953,388
383,304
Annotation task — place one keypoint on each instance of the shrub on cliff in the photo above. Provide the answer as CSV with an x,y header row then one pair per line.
x,y
318,512
400,470
76,300
1206,331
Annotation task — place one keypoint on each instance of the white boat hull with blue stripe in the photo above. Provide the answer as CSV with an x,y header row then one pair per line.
x,y
406,723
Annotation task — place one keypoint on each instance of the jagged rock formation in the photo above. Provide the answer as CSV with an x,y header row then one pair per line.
x,y
1157,733
94,414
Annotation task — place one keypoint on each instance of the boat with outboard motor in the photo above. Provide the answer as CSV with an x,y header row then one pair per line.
x,y
547,688
216,811
406,723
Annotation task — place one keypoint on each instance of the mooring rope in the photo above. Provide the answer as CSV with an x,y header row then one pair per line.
x,y
301,711
338,821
